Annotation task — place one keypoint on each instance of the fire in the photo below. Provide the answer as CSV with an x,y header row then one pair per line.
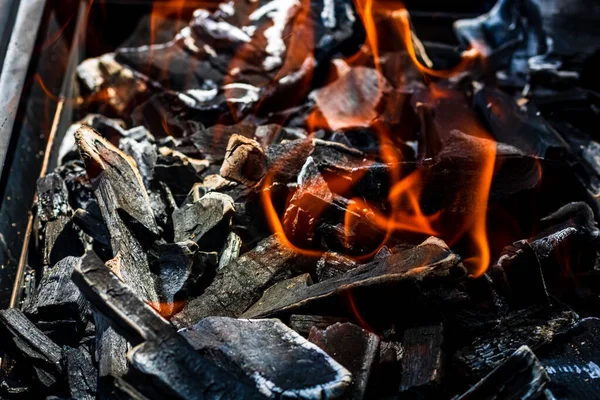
x,y
404,212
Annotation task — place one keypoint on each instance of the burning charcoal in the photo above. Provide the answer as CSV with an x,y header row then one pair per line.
x,y
81,373
23,340
178,172
53,198
533,327
194,221
77,182
231,250
353,100
331,265
423,359
571,360
303,323
430,261
163,354
232,344
520,376
125,207
57,297
354,348
285,160
180,265
238,285
244,161
109,86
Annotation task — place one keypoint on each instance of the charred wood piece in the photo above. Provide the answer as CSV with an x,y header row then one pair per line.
x,y
244,161
423,359
163,354
571,361
57,297
520,376
24,341
354,348
238,285
81,373
533,327
232,344
303,323
52,198
195,220
430,261
230,251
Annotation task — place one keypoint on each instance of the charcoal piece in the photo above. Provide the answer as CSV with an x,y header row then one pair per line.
x,y
388,372
533,327
110,351
61,239
89,220
81,373
109,87
144,154
244,161
303,323
178,173
163,354
354,348
363,90
123,390
423,359
285,160
125,207
193,221
232,344
571,361
230,251
115,171
179,372
331,154
520,126
430,261
24,341
77,182
307,204
499,32
52,198
518,275
331,265
57,297
238,285
212,142
520,376
180,265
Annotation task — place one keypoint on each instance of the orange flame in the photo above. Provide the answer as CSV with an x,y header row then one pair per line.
x,y
404,212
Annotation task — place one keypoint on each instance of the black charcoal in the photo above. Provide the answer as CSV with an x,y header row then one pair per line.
x,y
303,323
423,358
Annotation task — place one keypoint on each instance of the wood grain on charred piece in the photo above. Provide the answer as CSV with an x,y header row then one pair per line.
x,y
161,353
429,262
331,265
244,161
81,373
266,353
56,296
533,327
303,323
529,266
125,207
230,251
354,348
520,376
90,221
571,361
238,285
423,359
211,215
24,341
